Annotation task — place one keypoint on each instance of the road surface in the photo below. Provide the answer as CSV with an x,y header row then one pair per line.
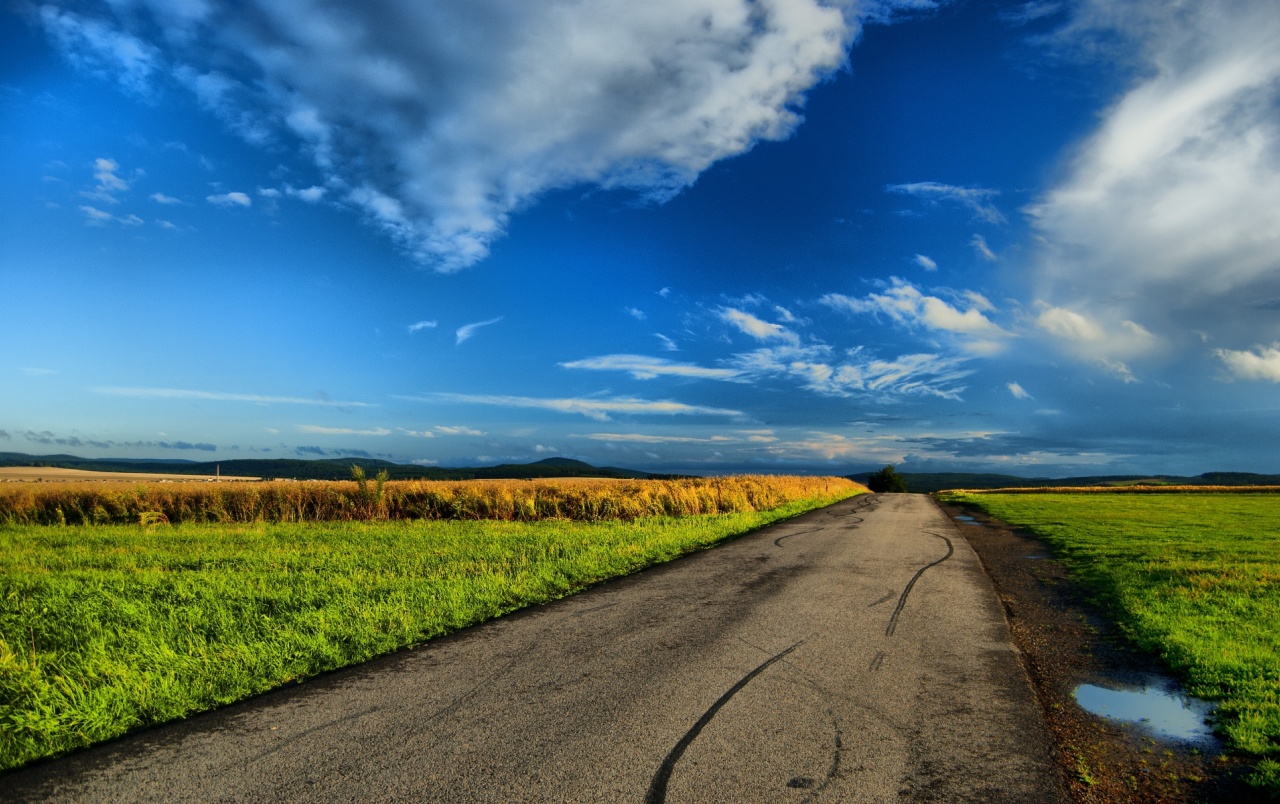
x,y
857,653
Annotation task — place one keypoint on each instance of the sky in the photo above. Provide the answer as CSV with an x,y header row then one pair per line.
x,y
702,236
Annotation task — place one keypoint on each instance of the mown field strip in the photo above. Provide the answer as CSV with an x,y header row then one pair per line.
x,y
111,627
1194,578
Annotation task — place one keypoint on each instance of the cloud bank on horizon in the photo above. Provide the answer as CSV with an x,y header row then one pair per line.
x,y
1098,306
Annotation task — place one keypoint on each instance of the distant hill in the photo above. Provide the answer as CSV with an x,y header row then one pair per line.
x,y
328,468
925,482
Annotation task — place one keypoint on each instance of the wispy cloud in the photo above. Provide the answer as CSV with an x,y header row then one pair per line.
x,y
759,329
858,372
315,429
109,182
926,263
421,325
458,430
232,199
312,195
636,313
219,396
77,442
984,251
594,408
161,198
1018,391
32,371
648,368
98,217
465,332
976,199
668,345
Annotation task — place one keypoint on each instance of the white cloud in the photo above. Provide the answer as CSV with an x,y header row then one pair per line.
x,y
421,325
541,449
37,372
598,409
1069,324
647,368
458,430
311,195
95,216
219,396
465,331
232,199
161,198
756,328
926,263
858,372
1262,363
904,304
164,224
645,438
268,192
984,251
1018,391
1172,205
462,113
416,433
668,345
99,49
315,429
636,313
976,199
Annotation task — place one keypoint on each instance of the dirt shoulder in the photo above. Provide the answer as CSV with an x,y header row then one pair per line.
x,y
1066,640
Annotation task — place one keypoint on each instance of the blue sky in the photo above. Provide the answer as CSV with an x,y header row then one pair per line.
x,y
681,235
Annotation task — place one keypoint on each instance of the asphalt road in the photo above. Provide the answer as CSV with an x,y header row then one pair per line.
x,y
857,653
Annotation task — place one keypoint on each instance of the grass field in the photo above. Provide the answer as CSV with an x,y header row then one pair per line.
x,y
1194,578
106,628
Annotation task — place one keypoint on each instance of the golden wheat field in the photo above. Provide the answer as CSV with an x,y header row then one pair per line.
x,y
326,501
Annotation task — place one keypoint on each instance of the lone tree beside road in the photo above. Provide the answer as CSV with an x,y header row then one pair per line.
x,y
886,480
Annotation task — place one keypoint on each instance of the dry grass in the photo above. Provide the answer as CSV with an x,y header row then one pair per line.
x,y
54,474
328,501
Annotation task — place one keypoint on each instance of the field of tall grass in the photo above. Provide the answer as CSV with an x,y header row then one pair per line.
x,y
1194,578
106,628
88,503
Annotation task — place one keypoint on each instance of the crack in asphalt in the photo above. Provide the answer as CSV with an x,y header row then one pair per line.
x,y
658,787
902,601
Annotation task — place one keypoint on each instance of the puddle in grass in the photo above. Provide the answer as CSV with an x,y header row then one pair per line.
x,y
1156,706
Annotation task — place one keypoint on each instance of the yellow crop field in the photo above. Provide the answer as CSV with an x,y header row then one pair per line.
x,y
328,501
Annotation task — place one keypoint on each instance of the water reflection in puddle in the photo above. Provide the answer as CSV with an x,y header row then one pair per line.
x,y
1157,707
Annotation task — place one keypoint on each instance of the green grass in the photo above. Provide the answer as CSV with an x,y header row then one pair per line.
x,y
1194,578
107,628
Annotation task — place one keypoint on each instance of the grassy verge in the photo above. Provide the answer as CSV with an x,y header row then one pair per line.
x,y
108,628
1194,578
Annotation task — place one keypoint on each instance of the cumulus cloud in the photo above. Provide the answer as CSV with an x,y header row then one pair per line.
x,y
593,408
906,305
1018,391
232,199
440,120
926,263
311,195
759,329
1173,202
1108,345
161,198
976,199
108,182
465,331
648,368
1261,363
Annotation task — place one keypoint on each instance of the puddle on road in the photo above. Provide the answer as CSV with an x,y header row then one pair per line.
x,y
1157,706
963,518
1037,557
